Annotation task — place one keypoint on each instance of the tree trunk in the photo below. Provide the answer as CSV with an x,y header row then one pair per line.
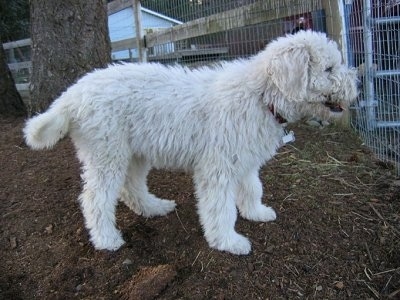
x,y
69,39
11,103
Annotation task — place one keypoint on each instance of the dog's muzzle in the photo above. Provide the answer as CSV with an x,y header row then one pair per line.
x,y
335,107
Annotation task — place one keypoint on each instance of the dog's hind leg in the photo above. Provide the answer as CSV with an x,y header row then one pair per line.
x,y
102,183
135,193
248,199
218,214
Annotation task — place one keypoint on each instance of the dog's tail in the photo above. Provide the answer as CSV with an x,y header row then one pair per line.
x,y
46,129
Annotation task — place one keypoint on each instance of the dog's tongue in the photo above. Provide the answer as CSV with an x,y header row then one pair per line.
x,y
334,107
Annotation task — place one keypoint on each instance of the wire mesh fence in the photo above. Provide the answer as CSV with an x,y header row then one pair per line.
x,y
227,29
374,46
201,31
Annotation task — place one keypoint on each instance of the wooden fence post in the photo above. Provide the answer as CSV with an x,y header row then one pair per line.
x,y
137,15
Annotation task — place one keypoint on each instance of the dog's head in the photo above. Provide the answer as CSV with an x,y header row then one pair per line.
x,y
306,70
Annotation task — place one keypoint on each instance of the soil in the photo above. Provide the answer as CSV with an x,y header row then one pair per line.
x,y
337,235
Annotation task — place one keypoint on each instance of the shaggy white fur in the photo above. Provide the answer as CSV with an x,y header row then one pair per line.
x,y
215,122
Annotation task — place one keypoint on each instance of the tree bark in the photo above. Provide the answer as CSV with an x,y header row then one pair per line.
x,y
69,39
11,103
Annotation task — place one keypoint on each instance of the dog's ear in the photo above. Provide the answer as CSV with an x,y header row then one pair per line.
x,y
289,72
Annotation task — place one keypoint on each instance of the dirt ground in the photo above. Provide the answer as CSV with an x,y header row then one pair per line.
x,y
337,235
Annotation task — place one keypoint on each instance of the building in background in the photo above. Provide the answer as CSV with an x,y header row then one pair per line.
x,y
121,26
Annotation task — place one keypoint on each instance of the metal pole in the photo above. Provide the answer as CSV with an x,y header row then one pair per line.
x,y
137,15
369,92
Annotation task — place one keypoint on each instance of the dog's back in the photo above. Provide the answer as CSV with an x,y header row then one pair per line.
x,y
172,115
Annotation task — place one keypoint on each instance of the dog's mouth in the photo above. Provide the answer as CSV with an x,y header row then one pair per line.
x,y
334,106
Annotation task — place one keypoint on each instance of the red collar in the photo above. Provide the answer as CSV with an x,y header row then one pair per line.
x,y
277,116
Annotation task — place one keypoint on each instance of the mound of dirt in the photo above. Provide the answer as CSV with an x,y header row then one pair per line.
x,y
148,282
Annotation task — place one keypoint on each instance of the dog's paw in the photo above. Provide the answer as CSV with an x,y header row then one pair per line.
x,y
261,214
234,243
158,207
112,242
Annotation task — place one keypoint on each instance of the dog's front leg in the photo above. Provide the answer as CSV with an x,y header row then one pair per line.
x,y
248,199
218,214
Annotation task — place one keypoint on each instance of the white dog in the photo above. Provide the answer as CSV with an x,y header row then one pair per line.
x,y
215,122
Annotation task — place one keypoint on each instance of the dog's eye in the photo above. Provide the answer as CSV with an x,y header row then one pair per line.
x,y
329,69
